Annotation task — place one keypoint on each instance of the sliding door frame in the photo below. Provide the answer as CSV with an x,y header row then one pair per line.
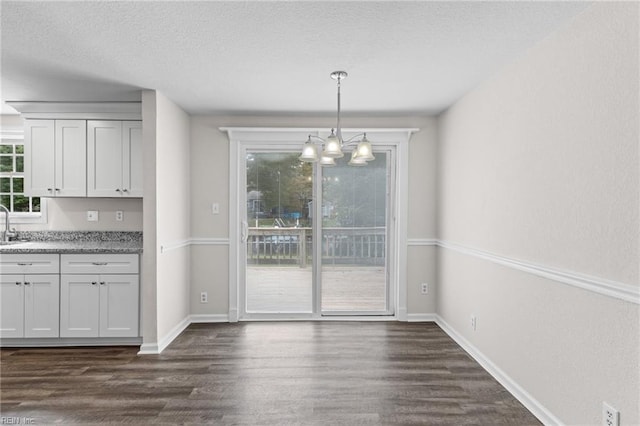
x,y
242,137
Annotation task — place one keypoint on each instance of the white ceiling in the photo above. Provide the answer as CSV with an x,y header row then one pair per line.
x,y
262,57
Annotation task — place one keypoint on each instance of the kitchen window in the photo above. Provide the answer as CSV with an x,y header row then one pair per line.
x,y
24,209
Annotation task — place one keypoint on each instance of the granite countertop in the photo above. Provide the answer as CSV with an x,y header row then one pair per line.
x,y
74,242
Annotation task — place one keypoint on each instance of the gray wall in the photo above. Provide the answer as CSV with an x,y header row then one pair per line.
x,y
210,183
540,165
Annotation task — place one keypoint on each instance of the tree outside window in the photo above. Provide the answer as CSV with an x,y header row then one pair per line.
x,y
12,194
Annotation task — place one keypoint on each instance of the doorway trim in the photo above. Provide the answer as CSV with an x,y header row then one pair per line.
x,y
398,137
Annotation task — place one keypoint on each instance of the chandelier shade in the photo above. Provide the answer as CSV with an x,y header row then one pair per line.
x,y
327,162
332,146
309,151
365,151
356,160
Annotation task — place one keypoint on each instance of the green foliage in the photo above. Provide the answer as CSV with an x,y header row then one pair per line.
x,y
283,181
6,164
353,196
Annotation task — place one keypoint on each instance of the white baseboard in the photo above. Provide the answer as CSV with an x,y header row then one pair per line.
x,y
156,348
209,318
532,404
149,349
421,317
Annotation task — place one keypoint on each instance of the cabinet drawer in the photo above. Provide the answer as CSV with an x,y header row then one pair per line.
x,y
29,263
99,263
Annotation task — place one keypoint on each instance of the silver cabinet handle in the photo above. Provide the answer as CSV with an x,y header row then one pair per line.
x,y
125,190
26,283
93,283
24,264
118,189
18,283
102,283
99,263
49,189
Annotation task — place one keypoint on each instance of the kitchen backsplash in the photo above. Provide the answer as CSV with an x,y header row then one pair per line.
x,y
70,214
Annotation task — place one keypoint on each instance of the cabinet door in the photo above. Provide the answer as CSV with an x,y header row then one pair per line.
x,y
104,156
39,154
79,306
71,158
41,306
11,306
132,158
119,306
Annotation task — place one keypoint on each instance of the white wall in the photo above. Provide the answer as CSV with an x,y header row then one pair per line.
x,y
166,270
210,183
172,213
540,164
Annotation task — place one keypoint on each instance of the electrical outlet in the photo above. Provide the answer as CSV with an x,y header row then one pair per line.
x,y
204,298
474,322
610,416
424,288
92,215
119,215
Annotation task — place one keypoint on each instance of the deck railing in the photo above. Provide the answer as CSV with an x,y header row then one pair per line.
x,y
291,246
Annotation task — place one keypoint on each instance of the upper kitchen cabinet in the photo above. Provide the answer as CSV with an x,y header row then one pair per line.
x,y
55,158
114,153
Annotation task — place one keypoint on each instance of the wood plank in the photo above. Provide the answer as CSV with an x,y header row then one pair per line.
x,y
263,373
288,288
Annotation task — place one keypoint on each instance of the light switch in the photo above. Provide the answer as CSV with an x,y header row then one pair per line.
x,y
92,215
215,208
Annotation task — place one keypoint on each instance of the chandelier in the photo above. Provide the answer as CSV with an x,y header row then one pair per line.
x,y
332,146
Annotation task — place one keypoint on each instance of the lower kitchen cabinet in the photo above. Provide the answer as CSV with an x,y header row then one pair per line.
x,y
95,305
29,305
69,297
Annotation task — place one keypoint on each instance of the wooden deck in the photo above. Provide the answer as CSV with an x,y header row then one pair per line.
x,y
288,289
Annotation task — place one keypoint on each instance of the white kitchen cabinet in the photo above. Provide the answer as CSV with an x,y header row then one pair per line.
x,y
97,302
29,295
55,158
114,152
11,306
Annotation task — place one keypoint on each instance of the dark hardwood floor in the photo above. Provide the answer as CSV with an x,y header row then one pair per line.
x,y
263,373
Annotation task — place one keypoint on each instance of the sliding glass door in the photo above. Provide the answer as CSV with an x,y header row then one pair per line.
x,y
279,233
354,238
303,259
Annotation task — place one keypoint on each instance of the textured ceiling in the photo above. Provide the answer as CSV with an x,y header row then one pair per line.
x,y
267,57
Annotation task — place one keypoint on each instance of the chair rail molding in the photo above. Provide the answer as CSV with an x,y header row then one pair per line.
x,y
598,285
174,245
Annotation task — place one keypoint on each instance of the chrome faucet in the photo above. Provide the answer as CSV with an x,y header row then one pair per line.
x,y
7,233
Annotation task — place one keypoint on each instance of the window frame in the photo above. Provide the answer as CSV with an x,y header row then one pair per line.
x,y
15,136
